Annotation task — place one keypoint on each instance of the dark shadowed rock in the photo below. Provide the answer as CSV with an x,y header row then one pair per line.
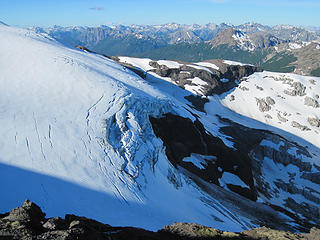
x,y
81,228
183,138
29,214
55,224
186,71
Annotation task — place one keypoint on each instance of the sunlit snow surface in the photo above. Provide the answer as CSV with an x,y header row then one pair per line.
x,y
286,115
76,138
286,108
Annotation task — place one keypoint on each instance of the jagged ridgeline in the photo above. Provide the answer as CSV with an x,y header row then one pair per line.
x,y
29,222
278,48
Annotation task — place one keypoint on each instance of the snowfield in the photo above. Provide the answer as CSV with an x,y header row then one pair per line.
x,y
77,138
275,100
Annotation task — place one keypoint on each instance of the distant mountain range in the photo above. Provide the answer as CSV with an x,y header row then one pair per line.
x,y
279,48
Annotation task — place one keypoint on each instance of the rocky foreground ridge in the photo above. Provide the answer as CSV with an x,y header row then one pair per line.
x,y
29,222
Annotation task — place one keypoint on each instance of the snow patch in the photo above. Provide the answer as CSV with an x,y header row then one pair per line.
x,y
198,160
199,67
169,64
230,178
209,65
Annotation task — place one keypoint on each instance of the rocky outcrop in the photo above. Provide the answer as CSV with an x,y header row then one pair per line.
x,y
83,48
182,137
264,105
28,223
186,72
245,41
15,226
308,101
281,118
300,126
134,69
247,160
315,122
297,89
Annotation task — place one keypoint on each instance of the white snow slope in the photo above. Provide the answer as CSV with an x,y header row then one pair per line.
x,y
76,138
287,105
284,108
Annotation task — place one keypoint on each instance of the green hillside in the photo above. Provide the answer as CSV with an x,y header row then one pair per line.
x,y
129,46
279,62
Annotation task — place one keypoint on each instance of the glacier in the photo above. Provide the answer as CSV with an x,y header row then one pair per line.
x,y
77,138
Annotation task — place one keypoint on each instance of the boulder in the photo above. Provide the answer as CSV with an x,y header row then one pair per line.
x,y
29,214
308,101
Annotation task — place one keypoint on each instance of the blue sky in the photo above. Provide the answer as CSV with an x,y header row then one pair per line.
x,y
97,12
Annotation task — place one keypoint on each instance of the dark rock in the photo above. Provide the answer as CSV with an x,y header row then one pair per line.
x,y
259,88
197,231
82,222
263,105
270,101
267,233
81,228
298,125
56,234
315,122
29,214
83,48
198,102
182,137
308,101
282,119
298,89
181,75
134,69
313,177
55,224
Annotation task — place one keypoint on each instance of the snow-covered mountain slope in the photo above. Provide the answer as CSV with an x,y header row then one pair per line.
x,y
77,138
269,125
286,101
83,134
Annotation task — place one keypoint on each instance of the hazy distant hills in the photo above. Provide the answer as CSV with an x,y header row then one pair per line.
x,y
280,48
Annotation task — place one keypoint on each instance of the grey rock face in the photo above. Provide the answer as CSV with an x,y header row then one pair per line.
x,y
244,88
308,101
259,88
312,81
54,224
249,160
29,214
315,122
298,125
282,119
298,89
270,101
262,155
313,177
263,105
182,75
82,228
